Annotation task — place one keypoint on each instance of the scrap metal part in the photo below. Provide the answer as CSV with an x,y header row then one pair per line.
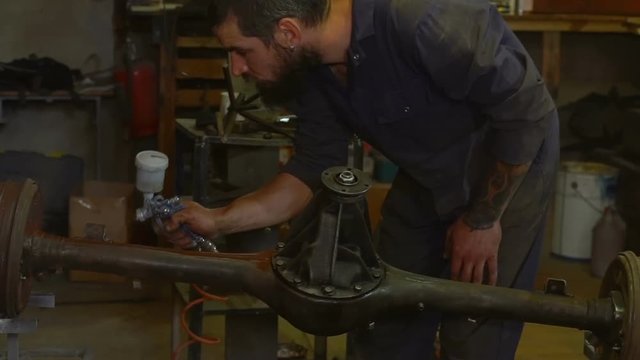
x,y
24,251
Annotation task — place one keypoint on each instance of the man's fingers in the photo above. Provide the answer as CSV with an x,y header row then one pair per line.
x,y
173,223
492,267
467,272
478,273
456,266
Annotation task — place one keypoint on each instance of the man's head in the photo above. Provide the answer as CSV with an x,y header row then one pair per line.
x,y
259,18
266,42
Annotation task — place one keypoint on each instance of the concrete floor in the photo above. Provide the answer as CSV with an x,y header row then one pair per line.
x,y
140,329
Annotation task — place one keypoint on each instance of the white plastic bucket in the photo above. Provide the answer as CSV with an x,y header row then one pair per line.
x,y
151,166
583,191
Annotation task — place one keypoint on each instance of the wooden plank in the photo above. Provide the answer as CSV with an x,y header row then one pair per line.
x,y
167,125
196,98
198,42
574,23
551,60
200,68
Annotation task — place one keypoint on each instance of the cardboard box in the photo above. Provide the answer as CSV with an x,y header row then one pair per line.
x,y
101,211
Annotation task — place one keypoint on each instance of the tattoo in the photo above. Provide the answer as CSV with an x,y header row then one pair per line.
x,y
494,194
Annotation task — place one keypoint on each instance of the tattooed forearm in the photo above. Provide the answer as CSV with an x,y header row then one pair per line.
x,y
494,194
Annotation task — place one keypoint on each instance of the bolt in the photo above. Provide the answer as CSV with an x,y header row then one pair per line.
x,y
23,277
357,287
420,306
375,273
347,177
280,262
280,245
328,290
297,281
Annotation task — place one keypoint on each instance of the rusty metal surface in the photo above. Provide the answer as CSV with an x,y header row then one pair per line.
x,y
20,216
623,276
398,291
8,198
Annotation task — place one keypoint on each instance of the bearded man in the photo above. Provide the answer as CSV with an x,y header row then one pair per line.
x,y
445,90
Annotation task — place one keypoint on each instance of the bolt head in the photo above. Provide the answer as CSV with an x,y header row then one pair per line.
x,y
328,290
280,262
357,287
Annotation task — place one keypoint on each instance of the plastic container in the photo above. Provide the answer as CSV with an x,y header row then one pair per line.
x,y
583,191
151,166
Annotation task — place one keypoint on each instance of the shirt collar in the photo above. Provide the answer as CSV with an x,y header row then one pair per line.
x,y
362,27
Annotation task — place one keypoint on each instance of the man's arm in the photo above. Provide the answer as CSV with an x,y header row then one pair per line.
x,y
278,201
468,50
493,194
474,239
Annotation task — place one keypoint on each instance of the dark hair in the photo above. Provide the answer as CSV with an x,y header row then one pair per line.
x,y
257,18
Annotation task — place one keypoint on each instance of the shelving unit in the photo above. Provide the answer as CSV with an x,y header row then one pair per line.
x,y
552,27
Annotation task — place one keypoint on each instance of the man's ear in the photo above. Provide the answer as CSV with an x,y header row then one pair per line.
x,y
288,33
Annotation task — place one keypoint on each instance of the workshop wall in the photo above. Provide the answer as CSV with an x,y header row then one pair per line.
x,y
68,31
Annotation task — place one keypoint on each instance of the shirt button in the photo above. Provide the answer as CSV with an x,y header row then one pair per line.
x,y
406,109
356,58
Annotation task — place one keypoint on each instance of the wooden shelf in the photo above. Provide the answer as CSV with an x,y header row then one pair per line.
x,y
198,42
575,23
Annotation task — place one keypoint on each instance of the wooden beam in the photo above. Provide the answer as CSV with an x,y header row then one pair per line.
x,y
200,69
551,60
197,98
198,42
167,82
574,23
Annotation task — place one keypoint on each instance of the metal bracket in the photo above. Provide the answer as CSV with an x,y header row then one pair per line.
x,y
556,287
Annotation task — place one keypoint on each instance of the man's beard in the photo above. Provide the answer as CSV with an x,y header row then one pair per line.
x,y
290,77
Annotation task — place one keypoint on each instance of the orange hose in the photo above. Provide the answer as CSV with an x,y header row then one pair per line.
x,y
193,337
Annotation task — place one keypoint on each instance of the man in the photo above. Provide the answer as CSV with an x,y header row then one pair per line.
x,y
445,90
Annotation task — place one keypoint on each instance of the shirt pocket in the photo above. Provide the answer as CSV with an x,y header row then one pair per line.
x,y
408,102
419,113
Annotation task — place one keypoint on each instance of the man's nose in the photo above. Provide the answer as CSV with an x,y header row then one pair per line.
x,y
238,65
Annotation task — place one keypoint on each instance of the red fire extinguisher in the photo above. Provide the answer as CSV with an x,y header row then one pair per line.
x,y
144,99
140,82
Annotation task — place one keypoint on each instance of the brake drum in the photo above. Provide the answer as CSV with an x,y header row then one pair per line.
x,y
623,278
20,217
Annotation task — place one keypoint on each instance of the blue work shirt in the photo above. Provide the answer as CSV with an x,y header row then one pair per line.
x,y
429,83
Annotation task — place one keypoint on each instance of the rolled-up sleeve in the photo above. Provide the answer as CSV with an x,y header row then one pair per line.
x,y
321,141
469,52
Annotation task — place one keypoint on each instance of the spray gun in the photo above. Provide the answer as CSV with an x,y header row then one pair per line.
x,y
151,166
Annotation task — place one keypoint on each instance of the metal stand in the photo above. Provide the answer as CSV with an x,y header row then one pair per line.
x,y
240,317
12,328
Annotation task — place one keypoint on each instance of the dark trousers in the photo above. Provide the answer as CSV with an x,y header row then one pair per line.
x,y
412,238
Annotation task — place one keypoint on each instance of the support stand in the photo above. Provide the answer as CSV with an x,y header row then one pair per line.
x,y
12,328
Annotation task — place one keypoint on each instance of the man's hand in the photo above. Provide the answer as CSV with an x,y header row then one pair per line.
x,y
471,251
197,218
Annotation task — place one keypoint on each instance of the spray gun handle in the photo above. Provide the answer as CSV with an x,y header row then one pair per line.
x,y
161,209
